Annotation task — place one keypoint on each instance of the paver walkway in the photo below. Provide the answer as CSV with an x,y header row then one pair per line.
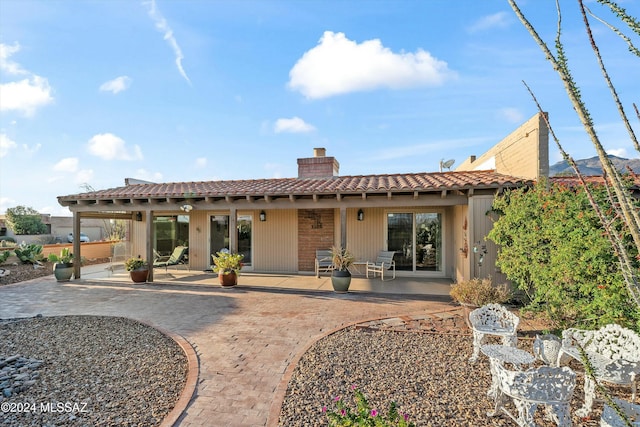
x,y
245,337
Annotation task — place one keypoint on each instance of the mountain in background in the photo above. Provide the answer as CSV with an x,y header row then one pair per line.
x,y
592,166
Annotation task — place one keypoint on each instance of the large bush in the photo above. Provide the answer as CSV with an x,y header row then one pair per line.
x,y
553,247
25,220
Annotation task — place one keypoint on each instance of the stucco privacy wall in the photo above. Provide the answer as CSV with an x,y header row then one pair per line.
x,y
524,153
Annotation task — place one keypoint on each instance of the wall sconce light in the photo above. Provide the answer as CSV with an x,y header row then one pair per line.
x,y
186,208
263,216
138,216
360,215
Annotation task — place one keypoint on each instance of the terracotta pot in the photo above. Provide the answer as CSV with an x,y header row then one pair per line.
x,y
139,276
228,280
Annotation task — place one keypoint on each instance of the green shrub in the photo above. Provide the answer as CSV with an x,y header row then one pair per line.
x,y
553,247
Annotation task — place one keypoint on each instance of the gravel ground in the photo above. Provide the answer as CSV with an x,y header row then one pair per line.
x,y
427,375
96,371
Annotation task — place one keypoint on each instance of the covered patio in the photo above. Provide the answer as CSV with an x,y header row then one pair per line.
x,y
278,281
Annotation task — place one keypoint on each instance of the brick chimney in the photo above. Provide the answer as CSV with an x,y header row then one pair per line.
x,y
318,166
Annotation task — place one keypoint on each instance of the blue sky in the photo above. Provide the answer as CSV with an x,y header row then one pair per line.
x,y
93,92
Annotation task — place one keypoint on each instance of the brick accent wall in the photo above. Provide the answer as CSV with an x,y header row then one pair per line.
x,y
315,231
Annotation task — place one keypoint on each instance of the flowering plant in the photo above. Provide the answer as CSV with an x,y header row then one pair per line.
x,y
364,415
225,262
133,264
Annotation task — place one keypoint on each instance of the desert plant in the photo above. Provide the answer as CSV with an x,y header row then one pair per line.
x,y
65,257
4,256
342,259
29,253
479,292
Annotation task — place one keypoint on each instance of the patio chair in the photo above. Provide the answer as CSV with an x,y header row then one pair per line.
x,y
614,354
324,261
493,319
383,262
120,254
178,257
548,386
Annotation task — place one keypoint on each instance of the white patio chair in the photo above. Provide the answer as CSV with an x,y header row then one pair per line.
x,y
324,261
549,386
383,262
614,353
492,319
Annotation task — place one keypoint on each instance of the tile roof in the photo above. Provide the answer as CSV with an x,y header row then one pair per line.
x,y
424,182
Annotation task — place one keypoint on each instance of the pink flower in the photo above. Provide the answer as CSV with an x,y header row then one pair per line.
x,y
353,387
406,417
343,412
324,409
374,413
337,398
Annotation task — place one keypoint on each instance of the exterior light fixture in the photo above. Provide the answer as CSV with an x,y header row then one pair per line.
x,y
360,215
138,216
186,208
263,216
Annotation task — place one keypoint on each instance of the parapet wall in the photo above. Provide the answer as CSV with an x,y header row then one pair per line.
x,y
524,153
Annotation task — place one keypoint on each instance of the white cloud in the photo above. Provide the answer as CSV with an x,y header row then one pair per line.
x,y
6,145
512,115
163,27
145,175
25,95
6,203
6,64
116,85
70,164
201,162
292,125
84,175
619,152
497,20
338,65
108,146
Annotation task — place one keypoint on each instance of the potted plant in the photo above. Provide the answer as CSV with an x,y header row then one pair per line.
x,y
341,276
227,265
138,269
63,265
474,293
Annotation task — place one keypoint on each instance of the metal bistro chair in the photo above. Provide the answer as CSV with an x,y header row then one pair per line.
x,y
493,319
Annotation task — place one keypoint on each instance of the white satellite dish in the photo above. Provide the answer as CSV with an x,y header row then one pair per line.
x,y
446,164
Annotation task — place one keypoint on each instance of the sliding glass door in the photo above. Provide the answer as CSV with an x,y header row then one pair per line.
x,y
219,236
416,237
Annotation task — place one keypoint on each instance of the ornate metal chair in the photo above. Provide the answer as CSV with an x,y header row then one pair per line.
x,y
492,319
548,386
614,353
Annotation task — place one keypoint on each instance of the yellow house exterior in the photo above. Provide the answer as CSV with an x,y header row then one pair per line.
x,y
435,222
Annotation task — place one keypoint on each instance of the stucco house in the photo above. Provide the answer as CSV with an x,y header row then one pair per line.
x,y
436,222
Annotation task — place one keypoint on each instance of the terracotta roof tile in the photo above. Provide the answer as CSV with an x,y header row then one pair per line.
x,y
436,181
